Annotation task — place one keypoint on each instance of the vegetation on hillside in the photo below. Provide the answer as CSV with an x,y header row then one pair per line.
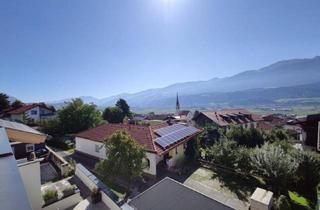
x,y
273,159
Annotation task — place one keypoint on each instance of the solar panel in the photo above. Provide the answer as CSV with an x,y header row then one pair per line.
x,y
174,137
169,129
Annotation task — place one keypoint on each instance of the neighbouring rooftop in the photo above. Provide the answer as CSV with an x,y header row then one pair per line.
x,y
231,117
147,136
18,126
22,133
170,194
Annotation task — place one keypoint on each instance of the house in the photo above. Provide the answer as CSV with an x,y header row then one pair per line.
x,y
227,118
281,121
311,128
184,116
24,140
170,194
164,143
34,112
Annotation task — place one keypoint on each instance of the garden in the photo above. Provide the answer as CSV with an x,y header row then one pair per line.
x,y
267,158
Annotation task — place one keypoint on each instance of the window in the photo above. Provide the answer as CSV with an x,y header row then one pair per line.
x,y
176,150
147,163
97,148
29,147
34,112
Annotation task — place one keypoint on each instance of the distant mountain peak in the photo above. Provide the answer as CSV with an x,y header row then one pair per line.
x,y
285,73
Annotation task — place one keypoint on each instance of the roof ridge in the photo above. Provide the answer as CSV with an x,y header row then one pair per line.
x,y
150,133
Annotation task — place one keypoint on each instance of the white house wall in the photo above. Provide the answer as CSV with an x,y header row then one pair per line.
x,y
35,117
153,164
89,147
177,155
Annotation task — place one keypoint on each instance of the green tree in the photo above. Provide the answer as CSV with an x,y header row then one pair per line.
x,y
277,135
4,102
16,104
222,153
78,116
308,172
242,159
51,127
123,105
113,115
26,119
209,136
125,158
277,166
247,137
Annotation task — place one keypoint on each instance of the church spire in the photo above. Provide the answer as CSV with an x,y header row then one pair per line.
x,y
177,105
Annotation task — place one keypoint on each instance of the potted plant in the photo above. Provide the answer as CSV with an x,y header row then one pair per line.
x,y
50,196
69,190
95,195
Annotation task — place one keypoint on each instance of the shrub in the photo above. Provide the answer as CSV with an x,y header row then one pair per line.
x,y
247,137
273,163
69,190
308,172
277,135
50,194
222,153
282,203
243,159
209,136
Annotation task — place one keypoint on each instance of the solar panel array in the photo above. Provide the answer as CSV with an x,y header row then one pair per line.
x,y
175,135
169,129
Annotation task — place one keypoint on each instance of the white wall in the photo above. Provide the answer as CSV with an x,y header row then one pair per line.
x,y
30,174
153,164
105,199
65,203
89,147
177,156
108,202
16,117
35,117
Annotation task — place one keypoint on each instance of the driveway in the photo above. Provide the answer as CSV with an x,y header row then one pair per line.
x,y
202,181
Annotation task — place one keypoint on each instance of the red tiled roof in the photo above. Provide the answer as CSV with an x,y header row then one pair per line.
x,y
144,135
27,107
232,117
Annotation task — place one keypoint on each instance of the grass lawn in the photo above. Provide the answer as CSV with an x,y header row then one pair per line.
x,y
155,122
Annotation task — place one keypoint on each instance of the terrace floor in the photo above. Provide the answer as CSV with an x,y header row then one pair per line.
x,y
48,173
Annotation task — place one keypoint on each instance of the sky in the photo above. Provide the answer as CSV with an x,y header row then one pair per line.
x,y
55,49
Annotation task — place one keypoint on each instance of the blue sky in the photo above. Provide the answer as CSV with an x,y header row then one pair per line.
x,y
54,49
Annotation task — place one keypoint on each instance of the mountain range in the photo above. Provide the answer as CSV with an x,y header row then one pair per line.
x,y
276,84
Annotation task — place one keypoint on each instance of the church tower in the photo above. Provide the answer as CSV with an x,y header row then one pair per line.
x,y
177,105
